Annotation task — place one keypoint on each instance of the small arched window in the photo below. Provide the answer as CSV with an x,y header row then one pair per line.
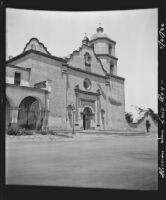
x,y
87,59
110,49
111,68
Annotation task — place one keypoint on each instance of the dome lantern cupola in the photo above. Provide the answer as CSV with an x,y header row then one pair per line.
x,y
104,48
99,33
100,29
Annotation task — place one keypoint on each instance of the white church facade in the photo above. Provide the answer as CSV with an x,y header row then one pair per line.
x,y
81,90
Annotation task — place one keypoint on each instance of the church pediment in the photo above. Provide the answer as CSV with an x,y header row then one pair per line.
x,y
86,59
34,44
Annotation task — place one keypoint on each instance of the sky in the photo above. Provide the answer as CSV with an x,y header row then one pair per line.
x,y
135,33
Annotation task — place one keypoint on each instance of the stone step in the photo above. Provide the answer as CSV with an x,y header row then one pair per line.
x,y
104,132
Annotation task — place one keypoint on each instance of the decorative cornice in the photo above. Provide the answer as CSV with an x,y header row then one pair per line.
x,y
102,39
118,77
64,63
38,53
88,100
87,92
26,87
91,48
40,43
113,57
83,71
18,67
107,76
75,52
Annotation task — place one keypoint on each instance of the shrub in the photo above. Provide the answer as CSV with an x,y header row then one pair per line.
x,y
46,132
23,131
43,132
28,132
18,131
12,131
129,117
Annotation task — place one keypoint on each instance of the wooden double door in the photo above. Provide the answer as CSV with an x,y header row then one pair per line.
x,y
87,118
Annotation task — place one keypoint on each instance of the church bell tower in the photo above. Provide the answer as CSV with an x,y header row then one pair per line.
x,y
104,48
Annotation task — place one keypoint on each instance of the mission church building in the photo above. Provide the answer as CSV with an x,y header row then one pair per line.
x,y
45,91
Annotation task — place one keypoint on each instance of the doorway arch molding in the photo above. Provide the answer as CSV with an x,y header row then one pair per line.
x,y
88,106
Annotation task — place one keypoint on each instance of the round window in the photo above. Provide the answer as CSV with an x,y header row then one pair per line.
x,y
87,84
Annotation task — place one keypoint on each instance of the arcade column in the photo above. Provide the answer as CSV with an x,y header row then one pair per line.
x,y
45,120
14,116
46,113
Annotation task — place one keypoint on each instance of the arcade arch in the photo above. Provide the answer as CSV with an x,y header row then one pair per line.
x,y
30,115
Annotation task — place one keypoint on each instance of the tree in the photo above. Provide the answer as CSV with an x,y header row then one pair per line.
x,y
153,114
129,117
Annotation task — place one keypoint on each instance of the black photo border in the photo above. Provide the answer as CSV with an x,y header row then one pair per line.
x,y
38,192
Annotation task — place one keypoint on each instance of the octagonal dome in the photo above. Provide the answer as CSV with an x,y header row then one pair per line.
x,y
99,34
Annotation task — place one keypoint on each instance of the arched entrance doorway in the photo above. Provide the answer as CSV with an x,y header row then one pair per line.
x,y
29,115
7,116
87,118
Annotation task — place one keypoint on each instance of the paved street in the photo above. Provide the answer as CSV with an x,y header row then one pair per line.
x,y
98,161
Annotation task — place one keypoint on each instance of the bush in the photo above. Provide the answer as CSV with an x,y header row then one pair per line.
x,y
46,132
129,117
18,131
12,131
23,131
43,132
28,132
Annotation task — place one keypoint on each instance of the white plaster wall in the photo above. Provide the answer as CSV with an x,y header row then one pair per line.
x,y
11,81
